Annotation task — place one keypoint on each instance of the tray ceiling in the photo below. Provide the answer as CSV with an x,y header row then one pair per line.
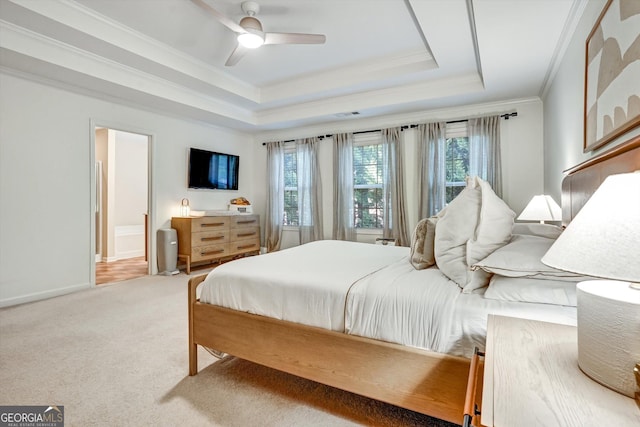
x,y
380,57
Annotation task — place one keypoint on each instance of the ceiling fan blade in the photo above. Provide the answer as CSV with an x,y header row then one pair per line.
x,y
236,55
220,17
294,38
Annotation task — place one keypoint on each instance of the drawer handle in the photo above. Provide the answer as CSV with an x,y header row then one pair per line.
x,y
249,221
219,251
246,234
246,246
213,224
208,239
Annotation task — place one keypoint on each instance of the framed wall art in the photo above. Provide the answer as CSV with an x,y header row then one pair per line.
x,y
612,70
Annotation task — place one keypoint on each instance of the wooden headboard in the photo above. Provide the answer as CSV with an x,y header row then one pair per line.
x,y
584,179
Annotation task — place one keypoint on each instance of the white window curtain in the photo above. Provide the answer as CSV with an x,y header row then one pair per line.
x,y
394,224
431,168
343,207
275,196
309,190
484,151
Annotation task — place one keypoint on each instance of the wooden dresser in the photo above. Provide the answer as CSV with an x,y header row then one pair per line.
x,y
212,238
532,378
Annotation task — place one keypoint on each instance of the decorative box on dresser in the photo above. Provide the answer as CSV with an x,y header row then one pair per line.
x,y
212,238
532,378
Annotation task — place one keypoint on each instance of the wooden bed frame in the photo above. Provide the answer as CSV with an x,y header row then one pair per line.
x,y
423,381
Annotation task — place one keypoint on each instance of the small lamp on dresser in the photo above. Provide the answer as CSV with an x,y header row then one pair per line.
x,y
541,208
185,209
603,241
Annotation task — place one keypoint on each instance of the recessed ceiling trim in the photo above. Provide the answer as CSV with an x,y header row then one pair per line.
x,y
474,36
37,46
355,74
416,23
85,20
450,86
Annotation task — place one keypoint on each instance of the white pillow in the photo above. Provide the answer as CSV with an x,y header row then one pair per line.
x,y
525,289
453,231
422,241
521,257
474,224
492,232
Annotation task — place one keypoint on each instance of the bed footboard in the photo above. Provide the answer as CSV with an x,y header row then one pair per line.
x,y
415,379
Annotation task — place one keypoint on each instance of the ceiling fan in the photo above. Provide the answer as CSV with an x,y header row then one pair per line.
x,y
250,33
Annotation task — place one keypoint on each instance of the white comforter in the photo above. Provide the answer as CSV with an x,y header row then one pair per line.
x,y
424,309
305,284
403,305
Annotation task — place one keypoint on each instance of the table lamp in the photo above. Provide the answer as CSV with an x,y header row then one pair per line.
x,y
541,208
603,240
185,209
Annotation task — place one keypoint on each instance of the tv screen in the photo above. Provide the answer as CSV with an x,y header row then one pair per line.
x,y
216,171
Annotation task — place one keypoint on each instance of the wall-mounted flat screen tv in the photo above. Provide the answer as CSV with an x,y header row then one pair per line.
x,y
211,170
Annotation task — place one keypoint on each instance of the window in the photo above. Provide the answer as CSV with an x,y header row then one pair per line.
x,y
291,215
367,181
457,159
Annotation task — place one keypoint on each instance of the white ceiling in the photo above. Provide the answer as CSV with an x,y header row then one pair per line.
x,y
380,57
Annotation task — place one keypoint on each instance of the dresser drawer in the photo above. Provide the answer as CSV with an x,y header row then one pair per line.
x,y
209,252
241,246
207,223
244,233
240,221
203,238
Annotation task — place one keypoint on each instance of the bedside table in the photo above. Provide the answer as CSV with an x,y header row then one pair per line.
x,y
532,378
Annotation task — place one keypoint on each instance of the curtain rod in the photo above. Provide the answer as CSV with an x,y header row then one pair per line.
x,y
505,116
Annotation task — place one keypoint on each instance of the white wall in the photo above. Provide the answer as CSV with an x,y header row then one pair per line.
x,y
46,179
522,156
564,106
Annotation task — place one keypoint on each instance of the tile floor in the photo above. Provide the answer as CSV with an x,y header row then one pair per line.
x,y
108,272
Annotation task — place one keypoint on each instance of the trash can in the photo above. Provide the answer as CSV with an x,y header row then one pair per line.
x,y
167,251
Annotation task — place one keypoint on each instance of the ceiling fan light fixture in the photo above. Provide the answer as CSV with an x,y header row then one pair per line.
x,y
251,40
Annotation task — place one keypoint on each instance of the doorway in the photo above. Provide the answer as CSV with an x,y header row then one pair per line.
x,y
121,205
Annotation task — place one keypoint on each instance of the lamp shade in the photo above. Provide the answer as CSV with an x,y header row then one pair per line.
x,y
603,240
185,209
541,208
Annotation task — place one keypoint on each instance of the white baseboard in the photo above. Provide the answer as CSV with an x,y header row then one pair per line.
x,y
37,296
129,254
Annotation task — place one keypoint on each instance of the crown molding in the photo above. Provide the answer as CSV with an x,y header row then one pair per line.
x,y
324,82
398,119
85,20
374,98
46,49
569,29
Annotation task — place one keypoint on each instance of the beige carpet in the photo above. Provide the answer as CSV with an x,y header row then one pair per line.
x,y
117,355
